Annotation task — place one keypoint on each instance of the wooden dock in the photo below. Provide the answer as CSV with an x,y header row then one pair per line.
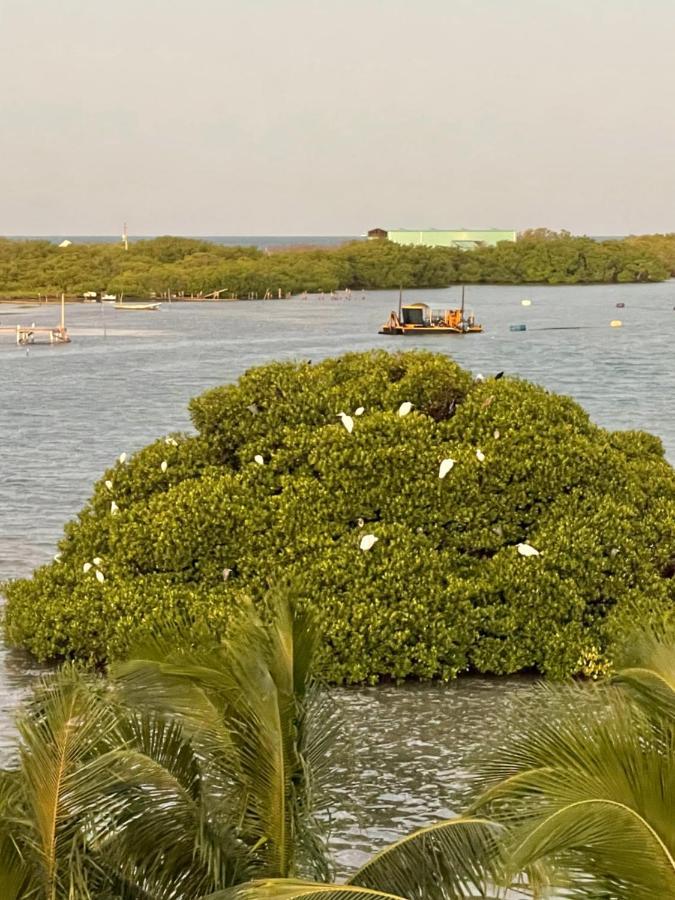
x,y
32,334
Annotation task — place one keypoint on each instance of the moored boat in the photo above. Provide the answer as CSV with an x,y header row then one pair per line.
x,y
138,306
420,318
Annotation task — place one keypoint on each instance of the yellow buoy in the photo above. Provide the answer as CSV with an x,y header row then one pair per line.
x,y
616,323
526,303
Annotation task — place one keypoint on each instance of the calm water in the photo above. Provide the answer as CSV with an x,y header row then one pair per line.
x,y
67,412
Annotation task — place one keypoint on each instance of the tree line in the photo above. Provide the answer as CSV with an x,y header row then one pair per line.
x,y
190,267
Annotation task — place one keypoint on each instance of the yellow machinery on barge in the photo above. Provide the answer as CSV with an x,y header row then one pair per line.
x,y
420,318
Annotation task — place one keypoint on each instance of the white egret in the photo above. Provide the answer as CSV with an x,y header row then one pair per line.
x,y
405,408
97,560
164,466
360,523
108,484
496,434
480,456
226,574
347,421
114,508
527,550
100,576
86,567
367,541
445,467
479,377
258,458
57,558
171,442
122,458
359,411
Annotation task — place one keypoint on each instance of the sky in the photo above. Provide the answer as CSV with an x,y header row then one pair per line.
x,y
207,117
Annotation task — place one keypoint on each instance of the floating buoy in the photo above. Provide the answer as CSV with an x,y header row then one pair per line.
x,y
526,303
616,323
620,305
524,327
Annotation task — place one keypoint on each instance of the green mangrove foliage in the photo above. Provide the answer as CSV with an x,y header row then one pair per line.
x,y
197,267
273,485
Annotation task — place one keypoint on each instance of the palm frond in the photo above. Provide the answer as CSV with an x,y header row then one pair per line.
x,y
649,673
453,859
596,774
291,889
65,731
607,845
252,709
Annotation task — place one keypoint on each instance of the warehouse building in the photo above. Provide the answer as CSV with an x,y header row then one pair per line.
x,y
464,238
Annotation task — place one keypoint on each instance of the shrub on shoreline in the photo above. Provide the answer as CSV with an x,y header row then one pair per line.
x,y
186,528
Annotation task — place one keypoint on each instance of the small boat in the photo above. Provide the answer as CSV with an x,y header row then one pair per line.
x,y
420,318
139,306
109,298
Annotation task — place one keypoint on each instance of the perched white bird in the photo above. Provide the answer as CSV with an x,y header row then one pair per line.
x,y
57,558
86,567
496,434
97,560
405,408
114,508
100,576
347,421
479,377
527,550
164,466
360,523
171,442
123,458
226,574
360,411
480,456
108,484
258,458
445,467
367,541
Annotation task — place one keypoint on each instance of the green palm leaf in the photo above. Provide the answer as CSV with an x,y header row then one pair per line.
x,y
449,860
254,710
590,790
291,889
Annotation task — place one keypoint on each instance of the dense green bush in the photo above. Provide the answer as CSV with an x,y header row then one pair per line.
x,y
443,589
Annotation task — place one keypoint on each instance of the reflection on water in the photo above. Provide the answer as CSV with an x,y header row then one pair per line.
x,y
67,412
410,755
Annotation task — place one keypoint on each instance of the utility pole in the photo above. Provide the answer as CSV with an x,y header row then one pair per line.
x,y
125,237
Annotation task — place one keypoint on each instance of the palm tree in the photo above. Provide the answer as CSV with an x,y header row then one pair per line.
x,y
256,714
205,782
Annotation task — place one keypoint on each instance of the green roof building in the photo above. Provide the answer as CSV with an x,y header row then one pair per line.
x,y
465,238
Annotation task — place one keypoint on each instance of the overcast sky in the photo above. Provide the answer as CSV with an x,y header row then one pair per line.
x,y
333,116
